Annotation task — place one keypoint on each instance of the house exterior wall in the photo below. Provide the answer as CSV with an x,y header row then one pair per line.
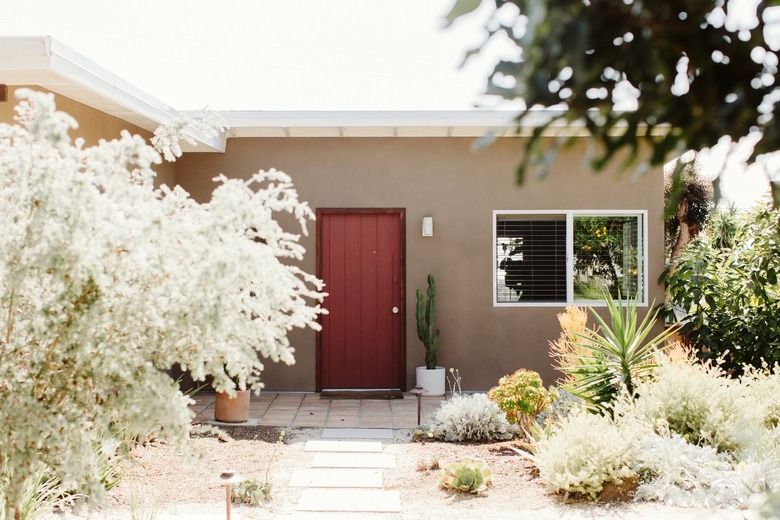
x,y
460,189
93,125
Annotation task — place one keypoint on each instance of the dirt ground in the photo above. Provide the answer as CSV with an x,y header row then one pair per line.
x,y
160,484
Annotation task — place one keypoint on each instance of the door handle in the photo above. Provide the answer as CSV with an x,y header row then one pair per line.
x,y
395,310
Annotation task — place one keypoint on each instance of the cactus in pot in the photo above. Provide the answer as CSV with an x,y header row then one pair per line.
x,y
426,316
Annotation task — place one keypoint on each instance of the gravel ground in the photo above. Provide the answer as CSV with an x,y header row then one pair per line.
x,y
160,481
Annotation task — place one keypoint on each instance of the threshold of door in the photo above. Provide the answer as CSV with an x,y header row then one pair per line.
x,y
361,394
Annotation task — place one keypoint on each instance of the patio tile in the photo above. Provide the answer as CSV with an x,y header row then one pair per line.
x,y
353,460
344,446
342,422
363,500
337,478
357,433
264,421
309,422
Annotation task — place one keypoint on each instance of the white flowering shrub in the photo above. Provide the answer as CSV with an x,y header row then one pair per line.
x,y
585,451
107,282
469,418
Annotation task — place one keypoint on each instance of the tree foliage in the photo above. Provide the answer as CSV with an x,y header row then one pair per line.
x,y
688,73
694,204
107,282
726,294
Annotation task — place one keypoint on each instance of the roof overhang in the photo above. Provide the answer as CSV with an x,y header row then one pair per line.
x,y
43,61
460,123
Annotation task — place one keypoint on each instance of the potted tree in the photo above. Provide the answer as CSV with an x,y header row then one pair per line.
x,y
430,377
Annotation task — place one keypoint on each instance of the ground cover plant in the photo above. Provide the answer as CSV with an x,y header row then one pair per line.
x,y
107,282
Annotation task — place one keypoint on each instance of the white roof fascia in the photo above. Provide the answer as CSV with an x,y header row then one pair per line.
x,y
457,123
43,61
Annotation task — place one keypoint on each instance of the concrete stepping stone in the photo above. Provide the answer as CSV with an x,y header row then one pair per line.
x,y
350,500
353,460
337,478
357,433
344,446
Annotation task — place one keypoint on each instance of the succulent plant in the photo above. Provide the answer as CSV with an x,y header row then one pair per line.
x,y
466,476
426,316
250,492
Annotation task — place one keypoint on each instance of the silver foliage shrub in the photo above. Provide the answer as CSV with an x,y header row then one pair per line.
x,y
469,418
693,438
696,402
683,474
585,451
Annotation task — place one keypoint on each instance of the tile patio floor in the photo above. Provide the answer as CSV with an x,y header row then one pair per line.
x,y
307,409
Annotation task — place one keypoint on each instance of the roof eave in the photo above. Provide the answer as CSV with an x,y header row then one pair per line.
x,y
43,61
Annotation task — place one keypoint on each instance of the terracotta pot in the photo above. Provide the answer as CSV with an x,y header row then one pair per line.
x,y
232,410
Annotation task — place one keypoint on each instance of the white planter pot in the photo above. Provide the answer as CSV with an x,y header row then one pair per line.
x,y
432,381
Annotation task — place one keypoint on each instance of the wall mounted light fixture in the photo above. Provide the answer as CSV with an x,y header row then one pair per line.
x,y
427,226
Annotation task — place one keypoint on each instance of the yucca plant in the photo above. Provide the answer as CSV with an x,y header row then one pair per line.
x,y
612,357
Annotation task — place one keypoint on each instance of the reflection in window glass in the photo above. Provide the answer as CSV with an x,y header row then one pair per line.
x,y
531,258
606,257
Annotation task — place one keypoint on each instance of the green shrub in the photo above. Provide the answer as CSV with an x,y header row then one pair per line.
x,y
466,476
522,397
469,418
726,289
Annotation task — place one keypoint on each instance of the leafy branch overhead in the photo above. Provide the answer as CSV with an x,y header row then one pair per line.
x,y
664,77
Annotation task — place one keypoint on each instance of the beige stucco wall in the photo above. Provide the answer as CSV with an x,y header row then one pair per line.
x,y
93,126
443,178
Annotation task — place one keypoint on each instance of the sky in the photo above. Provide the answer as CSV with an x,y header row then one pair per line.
x,y
294,55
271,55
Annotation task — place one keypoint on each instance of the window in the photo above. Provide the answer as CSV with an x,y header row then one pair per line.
x,y
568,257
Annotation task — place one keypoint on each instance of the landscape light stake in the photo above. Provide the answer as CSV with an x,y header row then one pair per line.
x,y
226,478
418,390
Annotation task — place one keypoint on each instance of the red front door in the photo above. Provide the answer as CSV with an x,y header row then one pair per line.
x,y
360,256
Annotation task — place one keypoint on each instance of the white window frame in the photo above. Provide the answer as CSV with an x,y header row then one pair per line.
x,y
570,215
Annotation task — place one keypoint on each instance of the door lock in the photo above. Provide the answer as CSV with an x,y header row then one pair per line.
x,y
395,310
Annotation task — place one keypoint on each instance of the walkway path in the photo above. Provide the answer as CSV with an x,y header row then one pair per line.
x,y
308,410
346,474
345,477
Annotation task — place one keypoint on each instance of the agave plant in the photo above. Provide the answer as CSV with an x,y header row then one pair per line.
x,y
613,357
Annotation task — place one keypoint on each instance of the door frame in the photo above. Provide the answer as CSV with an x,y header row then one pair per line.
x,y
401,212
